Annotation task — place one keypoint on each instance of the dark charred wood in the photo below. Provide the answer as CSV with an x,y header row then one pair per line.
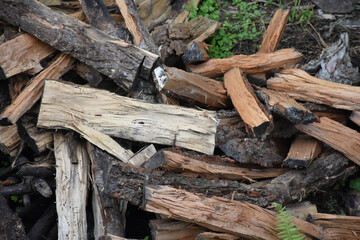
x,y
91,75
196,53
44,224
29,185
113,57
46,172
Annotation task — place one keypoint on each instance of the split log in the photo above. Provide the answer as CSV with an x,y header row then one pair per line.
x,y
164,229
196,53
339,227
184,15
321,174
32,92
216,236
355,117
246,103
301,86
336,135
126,118
100,18
9,140
154,12
143,155
21,54
260,62
139,32
285,106
125,182
302,210
208,166
303,150
190,87
71,186
16,84
218,214
121,61
39,140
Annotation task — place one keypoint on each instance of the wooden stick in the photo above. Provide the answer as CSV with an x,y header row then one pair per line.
x,y
246,103
191,87
71,186
336,135
301,86
260,62
126,118
285,106
21,54
113,57
32,92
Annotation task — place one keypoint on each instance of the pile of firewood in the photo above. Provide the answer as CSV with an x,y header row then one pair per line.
x,y
144,128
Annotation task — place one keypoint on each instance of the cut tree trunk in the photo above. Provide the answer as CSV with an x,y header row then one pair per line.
x,y
301,86
71,186
246,103
126,118
111,56
285,106
303,150
260,62
208,166
338,136
21,54
33,90
192,88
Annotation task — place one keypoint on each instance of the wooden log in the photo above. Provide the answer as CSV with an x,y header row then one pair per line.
x,y
303,150
39,140
9,140
196,53
285,106
33,90
16,84
274,31
121,61
143,155
71,186
218,214
301,86
100,18
208,166
126,118
139,32
338,227
216,236
301,210
260,62
192,88
355,117
336,135
91,75
184,15
164,229
43,225
246,103
22,54
125,182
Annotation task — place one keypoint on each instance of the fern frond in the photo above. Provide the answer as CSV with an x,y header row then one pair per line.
x,y
288,230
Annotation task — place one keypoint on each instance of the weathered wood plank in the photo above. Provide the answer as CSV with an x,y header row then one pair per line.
x,y
111,56
126,118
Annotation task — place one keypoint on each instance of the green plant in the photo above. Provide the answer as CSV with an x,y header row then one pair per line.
x,y
355,184
302,15
285,225
235,28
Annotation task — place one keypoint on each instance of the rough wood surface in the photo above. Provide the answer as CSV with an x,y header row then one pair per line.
x,y
71,186
336,135
39,140
111,56
355,117
209,166
216,236
274,31
184,15
193,88
218,214
196,53
260,62
9,140
135,25
301,86
126,118
246,102
164,229
285,106
33,90
303,150
21,54
143,155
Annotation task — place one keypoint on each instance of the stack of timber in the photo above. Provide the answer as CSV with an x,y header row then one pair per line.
x,y
100,124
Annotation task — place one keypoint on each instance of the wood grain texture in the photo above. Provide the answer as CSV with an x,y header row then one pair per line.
x,y
126,118
304,87
260,62
246,103
9,139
